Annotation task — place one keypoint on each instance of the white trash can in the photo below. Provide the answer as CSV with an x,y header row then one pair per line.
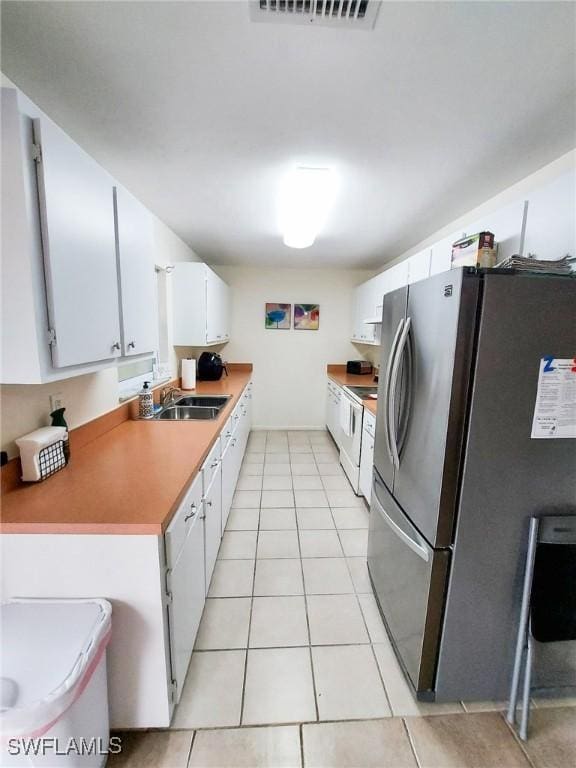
x,y
53,689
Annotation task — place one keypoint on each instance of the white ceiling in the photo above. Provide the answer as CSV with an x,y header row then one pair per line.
x,y
199,112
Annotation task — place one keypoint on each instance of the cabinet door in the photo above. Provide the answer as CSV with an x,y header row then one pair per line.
x,y
183,520
212,523
551,219
228,480
329,406
134,243
186,588
216,308
366,463
363,332
506,224
237,455
441,256
419,266
77,215
213,299
188,281
396,276
355,334
224,310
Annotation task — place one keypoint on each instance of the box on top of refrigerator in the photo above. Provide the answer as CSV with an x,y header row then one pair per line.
x,y
474,251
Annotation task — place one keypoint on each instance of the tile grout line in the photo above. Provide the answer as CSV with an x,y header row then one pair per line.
x,y
411,741
301,735
314,692
516,736
242,699
357,596
193,739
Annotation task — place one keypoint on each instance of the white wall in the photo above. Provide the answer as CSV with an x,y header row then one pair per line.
x,y
289,365
24,408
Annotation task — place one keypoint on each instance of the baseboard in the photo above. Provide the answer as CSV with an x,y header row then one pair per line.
x,y
260,428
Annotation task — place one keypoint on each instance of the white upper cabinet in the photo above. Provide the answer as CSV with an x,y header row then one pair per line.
x,y
396,277
441,254
363,309
506,224
76,212
551,220
217,309
419,266
200,301
137,279
368,301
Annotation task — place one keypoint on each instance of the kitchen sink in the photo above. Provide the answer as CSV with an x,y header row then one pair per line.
x,y
208,401
187,413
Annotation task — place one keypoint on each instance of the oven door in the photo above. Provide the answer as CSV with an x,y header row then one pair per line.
x,y
409,580
350,414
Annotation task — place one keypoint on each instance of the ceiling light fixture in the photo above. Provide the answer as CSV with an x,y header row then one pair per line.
x,y
305,199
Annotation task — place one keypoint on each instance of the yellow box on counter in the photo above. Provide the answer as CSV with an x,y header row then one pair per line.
x,y
474,251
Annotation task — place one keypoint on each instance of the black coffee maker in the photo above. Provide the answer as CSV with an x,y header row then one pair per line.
x,y
210,367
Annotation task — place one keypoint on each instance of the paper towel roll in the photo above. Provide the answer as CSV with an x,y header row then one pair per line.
x,y
188,373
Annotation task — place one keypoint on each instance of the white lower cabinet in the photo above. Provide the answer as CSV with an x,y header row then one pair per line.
x,y
157,585
186,593
333,395
212,505
367,455
229,476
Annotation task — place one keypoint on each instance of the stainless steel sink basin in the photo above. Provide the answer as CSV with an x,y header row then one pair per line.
x,y
187,413
208,401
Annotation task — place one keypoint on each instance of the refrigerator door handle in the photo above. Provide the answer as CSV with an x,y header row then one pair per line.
x,y
411,542
391,400
404,418
389,365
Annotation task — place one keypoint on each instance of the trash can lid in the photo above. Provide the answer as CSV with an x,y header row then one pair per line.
x,y
43,641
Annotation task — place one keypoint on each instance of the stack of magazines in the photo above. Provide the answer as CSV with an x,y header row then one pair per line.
x,y
530,264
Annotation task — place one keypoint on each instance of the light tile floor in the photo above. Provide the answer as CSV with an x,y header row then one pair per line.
x,y
291,639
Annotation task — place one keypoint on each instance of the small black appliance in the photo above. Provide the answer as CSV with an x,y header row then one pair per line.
x,y
210,367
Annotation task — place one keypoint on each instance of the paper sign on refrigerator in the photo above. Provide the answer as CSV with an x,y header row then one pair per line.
x,y
555,409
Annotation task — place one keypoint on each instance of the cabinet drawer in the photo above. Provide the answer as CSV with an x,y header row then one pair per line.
x,y
182,521
369,423
210,466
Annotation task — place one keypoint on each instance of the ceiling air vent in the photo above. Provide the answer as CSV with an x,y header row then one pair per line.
x,y
356,14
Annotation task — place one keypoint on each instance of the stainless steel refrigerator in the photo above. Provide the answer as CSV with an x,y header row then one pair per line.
x,y
457,473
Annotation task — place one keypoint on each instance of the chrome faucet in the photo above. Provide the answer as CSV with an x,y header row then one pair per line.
x,y
168,395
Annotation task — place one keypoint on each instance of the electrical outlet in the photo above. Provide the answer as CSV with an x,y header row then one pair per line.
x,y
57,401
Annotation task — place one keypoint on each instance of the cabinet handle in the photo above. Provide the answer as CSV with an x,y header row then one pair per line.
x,y
191,514
215,464
116,345
132,345
208,503
202,517
228,434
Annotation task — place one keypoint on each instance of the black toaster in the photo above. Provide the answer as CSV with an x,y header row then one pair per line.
x,y
359,367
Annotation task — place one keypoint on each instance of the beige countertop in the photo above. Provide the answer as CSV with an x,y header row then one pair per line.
x,y
128,480
338,374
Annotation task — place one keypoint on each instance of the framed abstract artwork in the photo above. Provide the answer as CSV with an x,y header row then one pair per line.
x,y
278,316
306,317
